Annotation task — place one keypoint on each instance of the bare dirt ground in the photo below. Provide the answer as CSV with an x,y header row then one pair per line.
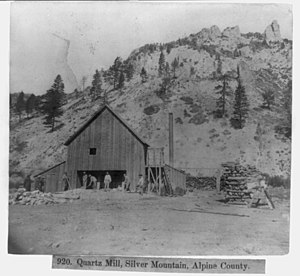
x,y
129,224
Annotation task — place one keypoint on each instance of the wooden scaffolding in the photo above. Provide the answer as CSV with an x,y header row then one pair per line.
x,y
162,178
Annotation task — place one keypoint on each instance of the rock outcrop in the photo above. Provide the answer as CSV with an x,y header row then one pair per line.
x,y
232,32
215,32
272,33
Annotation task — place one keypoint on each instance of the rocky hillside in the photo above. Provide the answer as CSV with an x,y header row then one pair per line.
x,y
201,140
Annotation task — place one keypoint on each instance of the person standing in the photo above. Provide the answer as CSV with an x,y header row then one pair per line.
x,y
218,176
107,181
125,183
140,185
27,183
66,182
84,180
88,182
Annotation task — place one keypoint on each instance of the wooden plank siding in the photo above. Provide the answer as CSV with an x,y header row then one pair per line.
x,y
53,178
177,178
116,149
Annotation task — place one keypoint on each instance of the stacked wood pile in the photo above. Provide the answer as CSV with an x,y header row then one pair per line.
x,y
200,183
22,197
234,181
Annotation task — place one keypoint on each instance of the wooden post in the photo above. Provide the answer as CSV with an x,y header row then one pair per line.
x,y
160,174
171,140
148,170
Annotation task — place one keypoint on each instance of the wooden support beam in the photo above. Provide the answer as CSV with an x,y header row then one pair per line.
x,y
171,140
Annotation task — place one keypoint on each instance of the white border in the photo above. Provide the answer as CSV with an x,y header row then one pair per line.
x,y
37,265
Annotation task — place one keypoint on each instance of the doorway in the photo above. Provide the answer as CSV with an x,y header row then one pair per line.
x,y
117,177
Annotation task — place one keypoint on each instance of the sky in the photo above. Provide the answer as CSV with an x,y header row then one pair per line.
x,y
75,39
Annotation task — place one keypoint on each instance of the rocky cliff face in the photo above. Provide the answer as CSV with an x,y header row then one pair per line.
x,y
201,140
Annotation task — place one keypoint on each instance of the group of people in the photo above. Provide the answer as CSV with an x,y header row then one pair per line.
x,y
139,187
90,182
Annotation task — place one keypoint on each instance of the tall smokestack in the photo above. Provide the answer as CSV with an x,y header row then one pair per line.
x,y
171,140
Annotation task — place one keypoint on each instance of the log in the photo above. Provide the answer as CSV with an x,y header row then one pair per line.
x,y
236,178
235,191
235,183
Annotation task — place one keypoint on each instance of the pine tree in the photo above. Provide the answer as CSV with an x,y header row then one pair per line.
x,y
241,106
53,102
83,82
167,70
164,86
129,71
175,65
20,105
143,75
30,104
161,64
223,90
116,70
121,80
268,99
108,76
169,48
96,88
39,103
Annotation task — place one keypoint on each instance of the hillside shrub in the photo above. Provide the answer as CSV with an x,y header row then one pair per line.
x,y
187,100
152,109
198,119
186,114
178,120
211,49
20,146
257,46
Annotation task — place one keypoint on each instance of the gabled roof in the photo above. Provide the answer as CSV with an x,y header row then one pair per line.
x,y
69,141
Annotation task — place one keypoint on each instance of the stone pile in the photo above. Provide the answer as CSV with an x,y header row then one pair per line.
x,y
23,197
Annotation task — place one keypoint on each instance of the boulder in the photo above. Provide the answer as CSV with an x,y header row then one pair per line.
x,y
272,33
214,32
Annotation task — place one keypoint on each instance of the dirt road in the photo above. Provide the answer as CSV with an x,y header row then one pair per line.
x,y
128,224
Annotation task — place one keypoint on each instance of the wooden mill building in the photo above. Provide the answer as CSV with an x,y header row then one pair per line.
x,y
105,143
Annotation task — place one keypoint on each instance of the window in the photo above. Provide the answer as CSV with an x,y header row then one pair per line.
x,y
92,151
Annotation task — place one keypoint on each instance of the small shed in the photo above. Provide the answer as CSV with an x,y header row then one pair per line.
x,y
53,177
177,179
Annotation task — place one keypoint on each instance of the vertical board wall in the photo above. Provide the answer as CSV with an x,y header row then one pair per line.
x,y
116,149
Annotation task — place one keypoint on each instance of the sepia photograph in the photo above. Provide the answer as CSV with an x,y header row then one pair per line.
x,y
150,129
